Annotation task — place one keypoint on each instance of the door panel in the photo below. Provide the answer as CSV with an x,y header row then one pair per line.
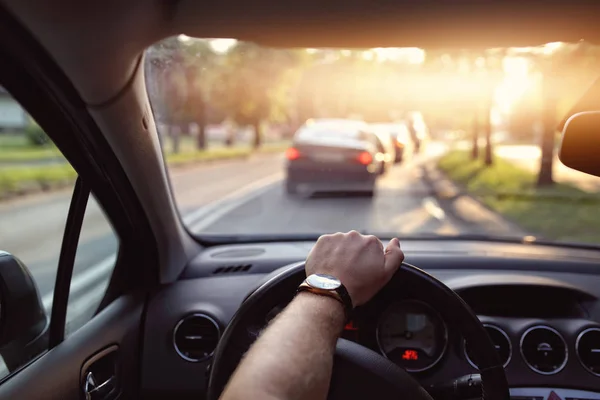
x,y
57,374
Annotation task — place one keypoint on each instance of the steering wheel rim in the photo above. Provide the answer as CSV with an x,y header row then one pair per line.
x,y
281,285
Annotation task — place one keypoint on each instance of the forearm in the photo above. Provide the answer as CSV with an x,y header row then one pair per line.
x,y
293,359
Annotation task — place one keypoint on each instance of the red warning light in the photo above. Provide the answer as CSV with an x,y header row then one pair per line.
x,y
410,355
350,326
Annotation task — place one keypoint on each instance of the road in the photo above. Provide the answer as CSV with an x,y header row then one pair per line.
x,y
403,203
239,197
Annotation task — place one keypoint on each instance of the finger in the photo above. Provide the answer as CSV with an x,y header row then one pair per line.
x,y
393,256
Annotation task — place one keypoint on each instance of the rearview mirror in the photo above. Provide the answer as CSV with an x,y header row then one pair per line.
x,y
23,321
580,146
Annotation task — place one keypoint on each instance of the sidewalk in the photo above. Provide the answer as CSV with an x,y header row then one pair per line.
x,y
466,209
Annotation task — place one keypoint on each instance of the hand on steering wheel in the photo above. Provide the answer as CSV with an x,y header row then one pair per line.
x,y
358,261
358,372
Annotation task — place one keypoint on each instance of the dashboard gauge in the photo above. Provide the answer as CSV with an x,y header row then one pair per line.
x,y
412,334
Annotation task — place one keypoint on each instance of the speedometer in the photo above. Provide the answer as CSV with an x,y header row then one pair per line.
x,y
412,334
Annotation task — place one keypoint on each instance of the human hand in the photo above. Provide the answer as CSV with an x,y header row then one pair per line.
x,y
358,261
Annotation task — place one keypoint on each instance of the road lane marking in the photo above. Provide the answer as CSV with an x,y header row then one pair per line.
x,y
209,214
90,299
83,280
432,206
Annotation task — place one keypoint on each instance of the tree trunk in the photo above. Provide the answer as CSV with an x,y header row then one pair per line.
x,y
201,138
230,135
488,156
548,135
257,135
175,137
475,149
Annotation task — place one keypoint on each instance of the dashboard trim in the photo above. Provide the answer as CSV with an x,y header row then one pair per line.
x,y
545,393
549,328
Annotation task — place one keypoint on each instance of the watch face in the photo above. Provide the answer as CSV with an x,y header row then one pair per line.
x,y
323,281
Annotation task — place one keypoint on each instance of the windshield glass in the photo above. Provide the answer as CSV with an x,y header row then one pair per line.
x,y
389,141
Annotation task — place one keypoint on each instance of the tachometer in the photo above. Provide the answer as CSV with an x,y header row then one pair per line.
x,y
412,334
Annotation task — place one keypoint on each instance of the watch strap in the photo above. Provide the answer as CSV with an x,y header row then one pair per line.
x,y
340,294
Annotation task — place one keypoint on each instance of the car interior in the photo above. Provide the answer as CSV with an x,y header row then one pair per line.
x,y
502,318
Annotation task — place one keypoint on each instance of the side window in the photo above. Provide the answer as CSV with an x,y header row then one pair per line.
x,y
94,263
36,186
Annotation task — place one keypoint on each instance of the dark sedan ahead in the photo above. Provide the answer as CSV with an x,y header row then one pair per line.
x,y
333,155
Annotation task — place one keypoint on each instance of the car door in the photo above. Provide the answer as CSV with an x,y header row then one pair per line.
x,y
83,348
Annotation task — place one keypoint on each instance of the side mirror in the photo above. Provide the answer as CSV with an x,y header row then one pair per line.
x,y
23,321
580,145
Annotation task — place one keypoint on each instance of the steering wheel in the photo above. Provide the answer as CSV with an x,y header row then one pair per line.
x,y
358,372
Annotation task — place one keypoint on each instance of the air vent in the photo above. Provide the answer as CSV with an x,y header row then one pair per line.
x,y
588,350
195,337
232,268
544,350
501,343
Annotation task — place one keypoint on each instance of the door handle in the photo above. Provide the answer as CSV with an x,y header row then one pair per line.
x,y
98,391
100,376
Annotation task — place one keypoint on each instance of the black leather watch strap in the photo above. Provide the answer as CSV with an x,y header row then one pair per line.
x,y
348,306
340,294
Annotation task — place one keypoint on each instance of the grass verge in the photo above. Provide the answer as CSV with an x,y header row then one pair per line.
x,y
18,180
30,154
21,180
561,212
224,153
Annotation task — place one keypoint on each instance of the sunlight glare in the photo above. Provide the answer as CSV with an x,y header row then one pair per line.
x,y
517,80
368,55
550,48
411,55
222,45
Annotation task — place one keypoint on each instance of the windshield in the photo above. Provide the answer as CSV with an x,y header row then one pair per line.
x,y
389,141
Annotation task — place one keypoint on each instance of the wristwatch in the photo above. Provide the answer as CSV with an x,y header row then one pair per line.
x,y
328,285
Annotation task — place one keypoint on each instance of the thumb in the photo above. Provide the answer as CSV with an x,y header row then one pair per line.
x,y
393,256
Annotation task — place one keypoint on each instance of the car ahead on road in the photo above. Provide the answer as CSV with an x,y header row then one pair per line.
x,y
334,155
399,136
385,144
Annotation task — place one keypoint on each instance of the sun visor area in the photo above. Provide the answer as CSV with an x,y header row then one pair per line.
x,y
391,23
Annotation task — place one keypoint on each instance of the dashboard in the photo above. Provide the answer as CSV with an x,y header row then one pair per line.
x,y
539,305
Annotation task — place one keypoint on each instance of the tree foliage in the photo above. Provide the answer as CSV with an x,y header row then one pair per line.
x,y
249,84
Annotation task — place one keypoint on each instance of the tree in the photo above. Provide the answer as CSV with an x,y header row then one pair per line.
x,y
494,71
565,69
253,84
475,136
179,73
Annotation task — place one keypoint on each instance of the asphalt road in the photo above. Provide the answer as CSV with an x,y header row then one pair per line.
x,y
233,197
403,204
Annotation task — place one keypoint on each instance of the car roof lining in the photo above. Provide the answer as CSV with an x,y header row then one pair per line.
x,y
120,31
393,23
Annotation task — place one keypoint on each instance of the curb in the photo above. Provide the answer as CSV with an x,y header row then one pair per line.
x,y
466,208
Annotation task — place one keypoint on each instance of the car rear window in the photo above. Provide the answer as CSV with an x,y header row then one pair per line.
x,y
327,131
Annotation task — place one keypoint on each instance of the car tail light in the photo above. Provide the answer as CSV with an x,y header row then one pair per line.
x,y
365,158
292,154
